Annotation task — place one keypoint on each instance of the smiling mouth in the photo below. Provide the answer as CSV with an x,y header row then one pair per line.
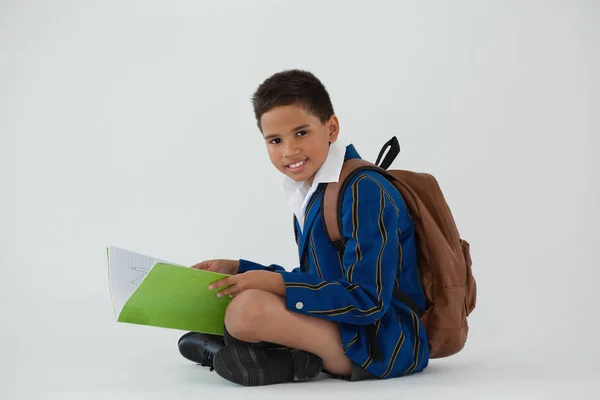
x,y
297,165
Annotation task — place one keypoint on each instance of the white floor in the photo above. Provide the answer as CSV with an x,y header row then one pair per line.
x,y
133,362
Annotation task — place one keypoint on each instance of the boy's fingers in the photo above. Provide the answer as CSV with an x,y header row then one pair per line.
x,y
230,291
202,265
214,267
221,282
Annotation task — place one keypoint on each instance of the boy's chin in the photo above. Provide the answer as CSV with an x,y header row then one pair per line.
x,y
295,178
298,177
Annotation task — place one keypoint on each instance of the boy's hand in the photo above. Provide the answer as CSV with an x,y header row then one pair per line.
x,y
264,280
229,267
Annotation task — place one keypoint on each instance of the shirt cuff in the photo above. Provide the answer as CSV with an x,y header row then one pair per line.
x,y
246,265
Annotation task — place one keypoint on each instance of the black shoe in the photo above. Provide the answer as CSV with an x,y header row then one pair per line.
x,y
249,365
200,347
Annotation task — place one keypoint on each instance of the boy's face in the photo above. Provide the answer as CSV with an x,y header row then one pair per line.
x,y
297,141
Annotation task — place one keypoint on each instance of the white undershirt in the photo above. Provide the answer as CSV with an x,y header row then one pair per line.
x,y
298,193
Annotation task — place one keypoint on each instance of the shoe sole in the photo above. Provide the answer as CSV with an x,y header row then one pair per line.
x,y
306,365
251,366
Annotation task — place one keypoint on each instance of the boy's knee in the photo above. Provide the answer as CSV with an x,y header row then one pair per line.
x,y
245,314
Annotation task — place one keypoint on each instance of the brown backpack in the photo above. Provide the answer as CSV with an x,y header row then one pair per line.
x,y
444,258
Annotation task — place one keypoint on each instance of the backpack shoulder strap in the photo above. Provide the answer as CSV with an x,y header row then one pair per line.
x,y
332,201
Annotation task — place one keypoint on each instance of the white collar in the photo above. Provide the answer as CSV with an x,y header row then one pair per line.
x,y
298,193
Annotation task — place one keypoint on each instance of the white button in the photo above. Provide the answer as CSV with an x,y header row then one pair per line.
x,y
299,305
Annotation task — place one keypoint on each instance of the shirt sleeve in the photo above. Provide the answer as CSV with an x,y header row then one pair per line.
x,y
371,256
246,265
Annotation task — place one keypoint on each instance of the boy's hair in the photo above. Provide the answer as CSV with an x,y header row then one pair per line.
x,y
293,87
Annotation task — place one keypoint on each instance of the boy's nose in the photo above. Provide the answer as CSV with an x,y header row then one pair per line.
x,y
291,150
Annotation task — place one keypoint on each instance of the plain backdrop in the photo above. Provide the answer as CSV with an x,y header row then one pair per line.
x,y
129,123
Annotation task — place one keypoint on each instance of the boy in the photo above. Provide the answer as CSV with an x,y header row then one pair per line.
x,y
335,313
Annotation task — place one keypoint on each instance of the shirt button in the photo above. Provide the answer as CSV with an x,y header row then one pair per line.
x,y
299,305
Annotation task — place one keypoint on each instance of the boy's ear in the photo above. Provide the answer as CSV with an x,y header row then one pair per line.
x,y
334,128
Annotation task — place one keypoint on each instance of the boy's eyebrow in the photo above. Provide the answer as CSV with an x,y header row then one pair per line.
x,y
300,127
274,135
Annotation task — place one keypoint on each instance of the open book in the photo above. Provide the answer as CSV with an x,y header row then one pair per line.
x,y
148,291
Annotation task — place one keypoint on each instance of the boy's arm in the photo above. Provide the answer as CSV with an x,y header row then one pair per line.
x,y
246,265
370,228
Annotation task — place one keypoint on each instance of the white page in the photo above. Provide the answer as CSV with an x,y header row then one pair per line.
x,y
126,270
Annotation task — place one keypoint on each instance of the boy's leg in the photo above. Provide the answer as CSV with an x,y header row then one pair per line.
x,y
228,340
258,316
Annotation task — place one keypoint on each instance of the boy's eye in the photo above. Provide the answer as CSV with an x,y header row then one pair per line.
x,y
278,140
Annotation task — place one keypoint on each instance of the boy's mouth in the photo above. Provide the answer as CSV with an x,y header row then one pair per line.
x,y
297,166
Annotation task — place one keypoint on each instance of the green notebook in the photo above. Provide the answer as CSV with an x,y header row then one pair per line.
x,y
148,291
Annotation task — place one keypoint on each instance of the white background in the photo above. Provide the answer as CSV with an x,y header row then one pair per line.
x,y
129,123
